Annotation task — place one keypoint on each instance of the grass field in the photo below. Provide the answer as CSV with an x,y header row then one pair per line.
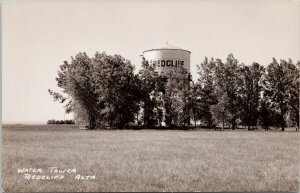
x,y
151,160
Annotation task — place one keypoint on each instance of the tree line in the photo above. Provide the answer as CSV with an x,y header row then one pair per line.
x,y
53,121
104,91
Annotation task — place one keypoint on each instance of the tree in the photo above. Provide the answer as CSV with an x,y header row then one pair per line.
x,y
75,79
148,78
116,88
220,111
176,98
99,90
249,94
277,91
228,85
293,77
205,90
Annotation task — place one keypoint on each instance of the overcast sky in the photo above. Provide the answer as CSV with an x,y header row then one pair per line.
x,y
37,36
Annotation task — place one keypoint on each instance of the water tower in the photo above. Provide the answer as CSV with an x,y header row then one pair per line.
x,y
167,57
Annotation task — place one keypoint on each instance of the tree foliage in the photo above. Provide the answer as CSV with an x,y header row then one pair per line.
x,y
205,92
277,91
228,86
249,96
101,90
148,77
176,98
104,91
75,78
116,88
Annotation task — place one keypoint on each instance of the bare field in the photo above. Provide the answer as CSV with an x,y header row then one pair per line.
x,y
151,160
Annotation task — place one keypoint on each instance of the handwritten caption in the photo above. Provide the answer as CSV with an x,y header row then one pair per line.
x,y
53,173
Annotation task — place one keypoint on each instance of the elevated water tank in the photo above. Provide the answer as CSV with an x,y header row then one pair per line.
x,y
168,57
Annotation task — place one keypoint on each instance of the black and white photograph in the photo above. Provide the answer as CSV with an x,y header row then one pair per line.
x,y
150,95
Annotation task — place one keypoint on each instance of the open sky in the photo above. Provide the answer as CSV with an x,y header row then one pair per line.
x,y
37,36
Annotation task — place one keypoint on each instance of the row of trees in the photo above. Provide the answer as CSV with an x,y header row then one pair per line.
x,y
104,90
53,121
248,95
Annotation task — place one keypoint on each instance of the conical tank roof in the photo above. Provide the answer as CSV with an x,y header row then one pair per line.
x,y
166,46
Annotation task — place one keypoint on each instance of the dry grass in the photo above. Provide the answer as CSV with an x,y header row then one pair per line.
x,y
150,160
